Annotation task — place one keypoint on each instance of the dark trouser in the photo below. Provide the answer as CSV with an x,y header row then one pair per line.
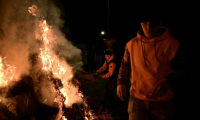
x,y
110,87
149,110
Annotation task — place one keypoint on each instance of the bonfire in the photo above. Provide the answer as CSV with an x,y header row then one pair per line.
x,y
53,89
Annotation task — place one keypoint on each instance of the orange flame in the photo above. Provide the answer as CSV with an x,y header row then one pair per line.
x,y
50,60
6,72
51,63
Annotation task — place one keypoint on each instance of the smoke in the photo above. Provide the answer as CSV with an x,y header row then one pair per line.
x,y
18,41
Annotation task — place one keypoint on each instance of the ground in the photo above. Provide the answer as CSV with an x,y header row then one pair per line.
x,y
96,91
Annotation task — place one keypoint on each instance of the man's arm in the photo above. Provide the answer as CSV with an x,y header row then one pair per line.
x,y
102,69
124,68
111,69
123,72
179,65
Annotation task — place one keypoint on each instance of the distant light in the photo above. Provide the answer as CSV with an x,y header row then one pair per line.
x,y
102,33
62,44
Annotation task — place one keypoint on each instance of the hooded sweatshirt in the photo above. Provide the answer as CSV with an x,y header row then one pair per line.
x,y
110,66
149,61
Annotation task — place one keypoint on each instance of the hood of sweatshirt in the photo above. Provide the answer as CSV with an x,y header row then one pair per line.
x,y
150,63
164,34
164,31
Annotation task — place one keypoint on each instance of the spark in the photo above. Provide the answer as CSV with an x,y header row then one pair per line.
x,y
32,10
86,118
45,100
64,118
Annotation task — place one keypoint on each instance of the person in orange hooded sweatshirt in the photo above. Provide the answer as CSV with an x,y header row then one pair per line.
x,y
153,57
110,65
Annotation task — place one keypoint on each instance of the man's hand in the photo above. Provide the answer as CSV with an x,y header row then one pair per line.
x,y
159,89
97,77
121,91
91,77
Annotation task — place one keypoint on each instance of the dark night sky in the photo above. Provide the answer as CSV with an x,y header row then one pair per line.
x,y
85,19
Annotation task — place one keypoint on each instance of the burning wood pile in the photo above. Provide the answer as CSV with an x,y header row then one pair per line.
x,y
52,89
29,104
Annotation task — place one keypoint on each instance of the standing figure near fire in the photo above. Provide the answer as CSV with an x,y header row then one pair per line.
x,y
156,63
111,66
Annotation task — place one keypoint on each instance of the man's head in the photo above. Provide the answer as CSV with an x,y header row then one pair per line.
x,y
150,29
150,20
108,54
